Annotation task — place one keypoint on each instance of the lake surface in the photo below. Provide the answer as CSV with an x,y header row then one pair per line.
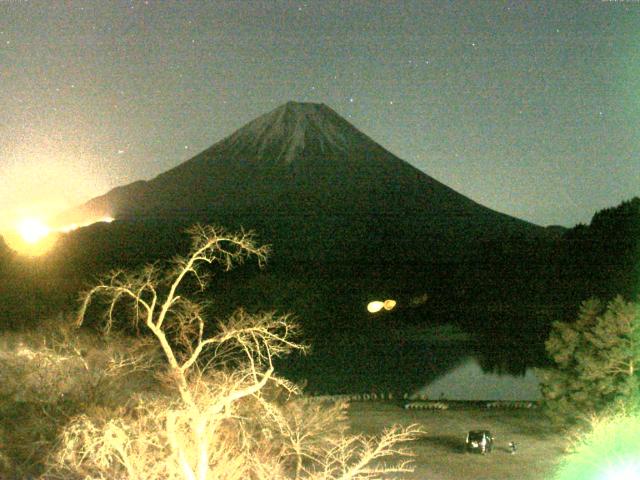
x,y
455,370
469,381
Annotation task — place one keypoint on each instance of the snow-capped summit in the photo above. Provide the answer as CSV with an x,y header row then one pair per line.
x,y
285,131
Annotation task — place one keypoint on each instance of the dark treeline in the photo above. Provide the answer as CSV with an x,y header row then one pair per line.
x,y
603,258
510,288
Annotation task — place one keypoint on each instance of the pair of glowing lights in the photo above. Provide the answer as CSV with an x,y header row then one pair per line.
x,y
377,305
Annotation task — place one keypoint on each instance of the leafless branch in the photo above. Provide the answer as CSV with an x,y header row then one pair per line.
x,y
219,419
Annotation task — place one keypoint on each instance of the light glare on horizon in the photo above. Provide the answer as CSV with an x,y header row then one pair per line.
x,y
32,230
35,237
74,226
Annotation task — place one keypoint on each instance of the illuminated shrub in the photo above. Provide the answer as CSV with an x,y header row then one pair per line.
x,y
52,373
222,409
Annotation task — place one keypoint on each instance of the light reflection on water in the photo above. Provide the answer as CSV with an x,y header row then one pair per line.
x,y
455,370
468,381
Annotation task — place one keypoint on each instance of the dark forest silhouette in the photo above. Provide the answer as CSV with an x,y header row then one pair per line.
x,y
513,290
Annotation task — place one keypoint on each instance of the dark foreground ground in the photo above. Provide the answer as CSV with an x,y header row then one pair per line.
x,y
440,452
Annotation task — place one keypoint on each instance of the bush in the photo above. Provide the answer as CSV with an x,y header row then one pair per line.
x,y
49,375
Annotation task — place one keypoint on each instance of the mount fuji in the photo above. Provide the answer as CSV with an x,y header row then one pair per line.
x,y
315,187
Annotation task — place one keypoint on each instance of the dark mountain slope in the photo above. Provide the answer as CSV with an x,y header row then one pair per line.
x,y
313,185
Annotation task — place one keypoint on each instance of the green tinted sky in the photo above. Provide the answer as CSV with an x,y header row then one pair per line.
x,y
531,108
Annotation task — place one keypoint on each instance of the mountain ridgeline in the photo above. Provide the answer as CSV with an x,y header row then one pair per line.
x,y
317,189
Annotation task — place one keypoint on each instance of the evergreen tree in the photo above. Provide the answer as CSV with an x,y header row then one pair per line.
x,y
596,358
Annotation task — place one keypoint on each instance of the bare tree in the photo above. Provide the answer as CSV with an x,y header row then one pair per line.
x,y
225,423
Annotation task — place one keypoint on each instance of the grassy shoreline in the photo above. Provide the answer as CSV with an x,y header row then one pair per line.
x,y
440,451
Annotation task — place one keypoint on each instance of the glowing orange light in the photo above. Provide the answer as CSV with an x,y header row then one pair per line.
x,y
30,236
389,304
32,230
33,237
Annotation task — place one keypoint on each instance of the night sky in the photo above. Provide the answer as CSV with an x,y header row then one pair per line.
x,y
530,108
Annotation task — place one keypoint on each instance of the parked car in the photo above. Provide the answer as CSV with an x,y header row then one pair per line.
x,y
479,441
